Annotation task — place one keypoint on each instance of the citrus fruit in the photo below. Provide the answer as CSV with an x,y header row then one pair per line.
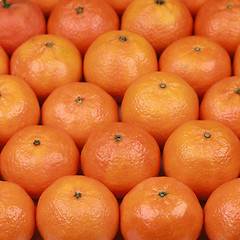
x,y
160,22
194,6
222,103
120,155
79,108
119,6
36,156
222,212
19,20
160,208
200,61
4,62
159,102
77,207
19,106
46,5
236,62
46,62
82,21
219,20
17,218
205,155
116,59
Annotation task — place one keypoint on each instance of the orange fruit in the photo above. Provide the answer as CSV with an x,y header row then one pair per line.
x,y
198,60
116,59
159,102
82,21
236,61
206,154
46,62
160,22
79,108
19,20
120,155
17,218
36,156
77,207
4,62
222,103
119,6
46,5
194,6
219,20
19,107
222,212
161,208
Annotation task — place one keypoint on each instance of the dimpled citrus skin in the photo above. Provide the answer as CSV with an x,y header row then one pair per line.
x,y
38,155
4,62
17,218
222,212
120,155
19,106
160,22
118,58
206,155
78,108
82,28
22,20
219,20
91,214
46,62
145,215
159,110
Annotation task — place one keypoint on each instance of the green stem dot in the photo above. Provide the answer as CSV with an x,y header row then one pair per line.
x,y
49,44
77,195
238,91
118,138
229,6
162,194
79,10
207,135
36,142
197,49
123,39
163,85
160,2
79,100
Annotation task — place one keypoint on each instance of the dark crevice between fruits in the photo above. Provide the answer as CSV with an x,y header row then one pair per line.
x,y
207,135
36,142
79,10
118,138
162,194
79,100
77,195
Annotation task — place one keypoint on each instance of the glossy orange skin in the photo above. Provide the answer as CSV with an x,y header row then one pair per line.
x,y
219,20
119,6
17,218
4,62
44,67
194,6
22,20
202,163
222,103
145,215
46,5
19,107
96,18
35,167
114,64
97,108
236,62
160,24
95,215
159,110
200,68
222,212
120,164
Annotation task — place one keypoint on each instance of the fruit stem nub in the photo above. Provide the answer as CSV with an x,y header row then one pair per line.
x,y
207,135
160,2
162,194
36,142
118,138
48,44
123,39
237,91
163,85
77,195
197,49
6,5
229,6
79,10
79,100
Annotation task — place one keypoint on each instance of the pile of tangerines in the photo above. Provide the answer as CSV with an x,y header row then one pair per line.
x,y
119,119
